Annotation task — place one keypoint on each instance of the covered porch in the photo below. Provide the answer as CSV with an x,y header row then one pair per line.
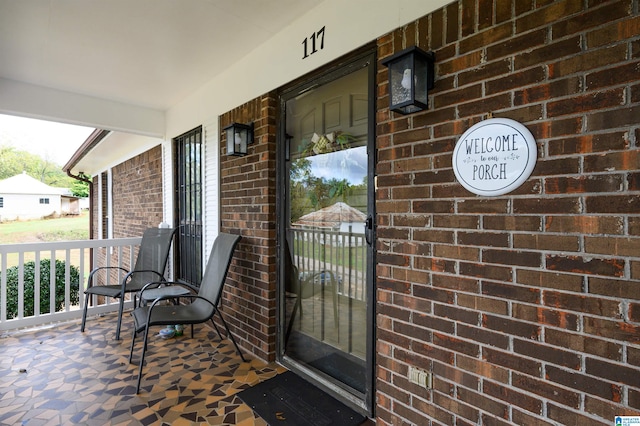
x,y
58,375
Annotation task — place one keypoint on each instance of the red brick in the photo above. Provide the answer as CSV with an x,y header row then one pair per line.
x,y
456,345
513,223
546,242
481,270
584,344
582,303
481,206
512,257
483,239
589,266
610,119
566,416
461,284
512,327
548,279
549,52
482,369
588,102
457,314
481,335
613,372
585,224
552,317
483,402
614,204
548,15
612,246
593,59
566,205
547,390
483,303
511,291
513,397
611,329
621,289
456,221
589,143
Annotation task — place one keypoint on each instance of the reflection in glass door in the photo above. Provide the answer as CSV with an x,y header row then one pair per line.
x,y
327,245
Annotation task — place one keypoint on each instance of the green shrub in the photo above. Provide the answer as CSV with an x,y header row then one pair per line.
x,y
45,276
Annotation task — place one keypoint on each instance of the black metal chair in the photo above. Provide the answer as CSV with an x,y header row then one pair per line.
x,y
203,306
151,262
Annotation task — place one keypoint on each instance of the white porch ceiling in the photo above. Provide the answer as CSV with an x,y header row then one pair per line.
x,y
143,53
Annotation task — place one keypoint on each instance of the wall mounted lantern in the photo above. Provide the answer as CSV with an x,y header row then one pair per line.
x,y
238,137
411,75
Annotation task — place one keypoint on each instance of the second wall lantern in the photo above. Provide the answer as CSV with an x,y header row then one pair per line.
x,y
238,137
411,76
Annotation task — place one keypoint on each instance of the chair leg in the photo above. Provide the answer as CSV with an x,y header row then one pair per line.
x,y
216,327
133,342
120,310
144,350
231,335
84,312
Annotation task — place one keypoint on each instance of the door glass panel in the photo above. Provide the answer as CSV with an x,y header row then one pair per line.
x,y
327,183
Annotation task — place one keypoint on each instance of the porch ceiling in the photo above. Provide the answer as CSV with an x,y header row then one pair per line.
x,y
144,53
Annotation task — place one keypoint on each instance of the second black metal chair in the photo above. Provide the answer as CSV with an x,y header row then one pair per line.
x,y
203,306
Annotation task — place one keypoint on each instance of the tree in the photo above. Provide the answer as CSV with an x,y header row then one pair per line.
x,y
14,162
80,188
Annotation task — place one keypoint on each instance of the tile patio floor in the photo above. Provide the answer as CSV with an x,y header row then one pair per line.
x,y
60,376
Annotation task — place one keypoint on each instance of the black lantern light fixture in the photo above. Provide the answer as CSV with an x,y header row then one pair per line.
x,y
238,137
411,75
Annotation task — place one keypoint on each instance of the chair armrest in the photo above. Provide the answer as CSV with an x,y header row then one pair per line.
x,y
101,268
137,271
188,296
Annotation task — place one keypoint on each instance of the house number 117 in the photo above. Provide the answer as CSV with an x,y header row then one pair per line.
x,y
312,42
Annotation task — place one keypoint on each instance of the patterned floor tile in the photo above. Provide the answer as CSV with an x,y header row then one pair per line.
x,y
60,376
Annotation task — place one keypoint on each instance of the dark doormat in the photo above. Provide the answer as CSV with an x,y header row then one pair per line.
x,y
290,400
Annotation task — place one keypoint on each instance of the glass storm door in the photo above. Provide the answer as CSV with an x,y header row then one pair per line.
x,y
326,298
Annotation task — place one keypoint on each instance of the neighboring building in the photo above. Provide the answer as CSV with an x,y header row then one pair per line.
x,y
518,308
23,198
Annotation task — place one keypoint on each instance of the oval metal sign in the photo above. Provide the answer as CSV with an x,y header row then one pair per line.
x,y
494,156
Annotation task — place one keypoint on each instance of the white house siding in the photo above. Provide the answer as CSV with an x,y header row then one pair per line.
x,y
211,185
28,207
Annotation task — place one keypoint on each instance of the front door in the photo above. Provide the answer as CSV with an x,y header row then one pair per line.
x,y
325,233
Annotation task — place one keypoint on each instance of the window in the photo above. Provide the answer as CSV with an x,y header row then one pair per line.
x,y
44,201
188,202
1,202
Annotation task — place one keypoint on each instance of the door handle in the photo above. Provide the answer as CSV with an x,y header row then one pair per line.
x,y
368,230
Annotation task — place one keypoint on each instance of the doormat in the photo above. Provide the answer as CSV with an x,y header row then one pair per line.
x,y
290,400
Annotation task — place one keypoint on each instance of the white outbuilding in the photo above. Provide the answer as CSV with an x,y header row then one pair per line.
x,y
23,198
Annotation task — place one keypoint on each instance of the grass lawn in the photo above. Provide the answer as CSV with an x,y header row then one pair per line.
x,y
32,231
47,230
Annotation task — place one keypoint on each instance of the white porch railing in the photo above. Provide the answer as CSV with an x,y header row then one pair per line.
x,y
82,254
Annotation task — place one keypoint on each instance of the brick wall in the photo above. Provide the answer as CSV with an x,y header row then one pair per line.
x,y
525,307
136,197
248,208
137,194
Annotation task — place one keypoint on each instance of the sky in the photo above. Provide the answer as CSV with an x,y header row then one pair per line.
x,y
55,142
